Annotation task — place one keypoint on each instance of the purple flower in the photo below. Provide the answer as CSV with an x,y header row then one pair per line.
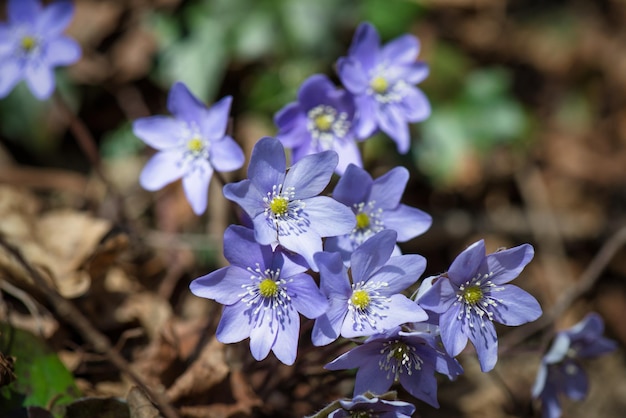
x,y
561,370
372,302
474,293
382,80
285,207
190,145
263,291
362,406
410,358
320,120
376,206
32,44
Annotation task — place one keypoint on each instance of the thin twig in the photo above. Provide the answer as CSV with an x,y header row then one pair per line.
x,y
70,314
584,284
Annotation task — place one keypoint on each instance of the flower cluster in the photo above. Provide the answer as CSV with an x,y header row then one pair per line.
x,y
561,370
334,258
380,94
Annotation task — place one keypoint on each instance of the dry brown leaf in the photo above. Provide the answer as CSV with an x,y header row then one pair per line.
x,y
140,406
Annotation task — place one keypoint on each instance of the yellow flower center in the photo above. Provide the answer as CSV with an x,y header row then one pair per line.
x,y
268,288
362,220
379,84
472,294
324,122
28,43
360,299
195,145
279,206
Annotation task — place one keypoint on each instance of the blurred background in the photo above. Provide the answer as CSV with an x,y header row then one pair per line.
x,y
526,143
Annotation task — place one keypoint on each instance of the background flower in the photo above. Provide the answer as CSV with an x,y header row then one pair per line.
x,y
190,145
32,44
382,78
322,119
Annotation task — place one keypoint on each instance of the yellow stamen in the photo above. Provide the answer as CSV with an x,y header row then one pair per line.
x,y
195,145
472,294
268,288
360,299
28,43
324,122
362,220
279,206
379,84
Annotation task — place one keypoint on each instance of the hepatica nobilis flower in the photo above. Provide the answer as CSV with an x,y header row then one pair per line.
x,y
561,370
410,358
191,145
474,293
366,299
263,291
382,79
284,205
321,119
362,406
32,44
376,206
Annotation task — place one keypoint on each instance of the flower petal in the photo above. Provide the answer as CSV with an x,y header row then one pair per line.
x,y
160,170
226,155
160,132
365,46
23,11
234,325
401,311
285,347
372,254
329,217
184,105
367,117
215,119
392,122
196,186
40,80
315,91
349,154
387,189
306,298
517,306
354,186
370,377
263,335
506,265
241,249
311,174
267,164
54,18
327,327
62,51
222,285
423,384
439,297
10,75
306,244
415,105
407,221
452,335
415,73
245,195
465,265
402,50
400,272
352,75
485,340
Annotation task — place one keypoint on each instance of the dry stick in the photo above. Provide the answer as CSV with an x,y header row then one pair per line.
x,y
70,314
584,284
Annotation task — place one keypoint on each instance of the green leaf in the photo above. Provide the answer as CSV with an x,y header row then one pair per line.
x,y
42,379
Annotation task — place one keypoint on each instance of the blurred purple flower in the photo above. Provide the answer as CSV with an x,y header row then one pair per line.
x,y
561,371
32,44
372,302
362,406
410,358
474,292
263,291
382,78
284,206
191,145
376,206
320,120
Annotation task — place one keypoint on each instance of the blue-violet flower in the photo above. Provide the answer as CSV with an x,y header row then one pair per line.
x,y
263,291
474,293
364,407
561,370
321,119
191,145
376,206
383,81
284,206
410,358
371,303
32,44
